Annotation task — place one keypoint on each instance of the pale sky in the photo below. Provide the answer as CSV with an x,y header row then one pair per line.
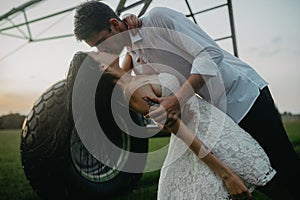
x,y
268,38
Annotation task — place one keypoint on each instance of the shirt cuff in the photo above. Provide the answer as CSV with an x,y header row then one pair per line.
x,y
204,66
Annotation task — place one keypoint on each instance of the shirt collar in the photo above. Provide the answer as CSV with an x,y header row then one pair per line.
x,y
135,38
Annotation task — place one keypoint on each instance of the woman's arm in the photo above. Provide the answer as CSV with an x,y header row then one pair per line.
x,y
234,184
135,90
127,63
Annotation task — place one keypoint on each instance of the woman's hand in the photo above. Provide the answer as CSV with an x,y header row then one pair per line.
x,y
237,188
132,22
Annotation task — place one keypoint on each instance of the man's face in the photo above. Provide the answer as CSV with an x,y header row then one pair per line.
x,y
97,38
110,41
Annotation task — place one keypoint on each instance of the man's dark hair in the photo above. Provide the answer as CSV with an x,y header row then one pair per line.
x,y
92,17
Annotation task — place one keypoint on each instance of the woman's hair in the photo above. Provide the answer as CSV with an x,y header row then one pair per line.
x,y
92,17
103,97
103,93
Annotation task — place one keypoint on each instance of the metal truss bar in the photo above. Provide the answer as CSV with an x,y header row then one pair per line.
x,y
13,35
120,6
19,8
209,9
231,20
129,7
38,19
144,9
20,30
230,10
192,14
52,38
27,25
223,38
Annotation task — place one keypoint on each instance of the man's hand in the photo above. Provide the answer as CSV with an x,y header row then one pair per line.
x,y
237,188
168,111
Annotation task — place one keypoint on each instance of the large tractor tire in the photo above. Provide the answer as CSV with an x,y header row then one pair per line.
x,y
57,164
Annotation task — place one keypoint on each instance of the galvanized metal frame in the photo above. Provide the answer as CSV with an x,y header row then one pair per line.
x,y
120,8
231,21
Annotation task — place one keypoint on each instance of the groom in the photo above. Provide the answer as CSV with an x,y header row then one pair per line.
x,y
216,75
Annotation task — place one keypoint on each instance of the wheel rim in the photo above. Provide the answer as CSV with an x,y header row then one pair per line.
x,y
92,169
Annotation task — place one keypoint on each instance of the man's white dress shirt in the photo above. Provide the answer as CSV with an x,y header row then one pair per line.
x,y
179,46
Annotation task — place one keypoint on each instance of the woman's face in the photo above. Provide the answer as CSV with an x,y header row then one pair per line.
x,y
104,59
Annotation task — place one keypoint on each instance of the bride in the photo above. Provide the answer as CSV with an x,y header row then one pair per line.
x,y
209,155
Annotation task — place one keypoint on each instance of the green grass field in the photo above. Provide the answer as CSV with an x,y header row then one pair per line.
x,y
14,185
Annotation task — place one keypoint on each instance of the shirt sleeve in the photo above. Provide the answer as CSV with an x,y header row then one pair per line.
x,y
190,38
204,65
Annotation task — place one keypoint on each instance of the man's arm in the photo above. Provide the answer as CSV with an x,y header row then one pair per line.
x,y
185,37
195,81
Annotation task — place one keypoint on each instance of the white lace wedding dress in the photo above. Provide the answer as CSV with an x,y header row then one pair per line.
x,y
185,176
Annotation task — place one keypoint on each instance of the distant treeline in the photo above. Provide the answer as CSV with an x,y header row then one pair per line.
x,y
11,121
15,120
